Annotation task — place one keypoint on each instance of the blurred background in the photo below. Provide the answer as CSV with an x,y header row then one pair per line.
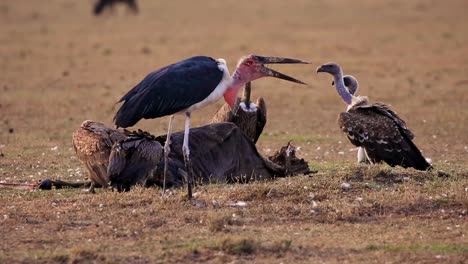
x,y
60,64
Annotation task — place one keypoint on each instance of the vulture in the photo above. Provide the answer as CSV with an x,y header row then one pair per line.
x,y
376,128
100,5
133,160
249,117
93,142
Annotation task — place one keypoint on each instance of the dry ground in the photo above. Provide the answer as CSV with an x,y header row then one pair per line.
x,y
60,65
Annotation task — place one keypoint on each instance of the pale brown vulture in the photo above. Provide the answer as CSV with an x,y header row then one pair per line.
x,y
92,143
249,117
376,128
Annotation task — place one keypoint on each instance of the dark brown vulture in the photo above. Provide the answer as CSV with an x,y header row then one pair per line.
x,y
133,160
92,143
103,4
376,128
249,117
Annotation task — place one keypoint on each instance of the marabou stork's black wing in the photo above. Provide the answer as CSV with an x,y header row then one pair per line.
x,y
261,117
382,137
169,90
92,143
133,160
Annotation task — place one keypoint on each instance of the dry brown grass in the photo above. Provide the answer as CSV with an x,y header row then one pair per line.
x,y
298,219
60,66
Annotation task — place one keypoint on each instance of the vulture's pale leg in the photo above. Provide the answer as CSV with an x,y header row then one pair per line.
x,y
367,156
186,152
362,156
167,149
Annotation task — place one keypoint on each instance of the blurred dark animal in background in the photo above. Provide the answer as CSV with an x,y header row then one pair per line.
x,y
109,4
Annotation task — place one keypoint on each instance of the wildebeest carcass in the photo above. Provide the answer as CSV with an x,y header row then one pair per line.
x,y
221,153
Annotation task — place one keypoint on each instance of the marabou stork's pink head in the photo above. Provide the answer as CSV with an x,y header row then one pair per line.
x,y
253,67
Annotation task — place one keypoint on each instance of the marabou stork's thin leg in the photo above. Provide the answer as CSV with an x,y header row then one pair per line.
x,y
186,152
167,149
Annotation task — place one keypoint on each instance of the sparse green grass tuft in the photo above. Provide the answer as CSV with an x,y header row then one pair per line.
x,y
244,246
82,255
217,223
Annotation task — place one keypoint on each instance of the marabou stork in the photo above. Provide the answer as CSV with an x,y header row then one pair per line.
x,y
352,85
249,117
190,84
375,127
133,160
93,143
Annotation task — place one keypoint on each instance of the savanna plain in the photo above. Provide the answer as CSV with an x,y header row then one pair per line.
x,y
60,65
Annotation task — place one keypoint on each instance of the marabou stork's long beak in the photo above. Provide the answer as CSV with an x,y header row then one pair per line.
x,y
278,60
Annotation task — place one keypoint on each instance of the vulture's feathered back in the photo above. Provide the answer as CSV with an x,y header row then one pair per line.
x,y
382,134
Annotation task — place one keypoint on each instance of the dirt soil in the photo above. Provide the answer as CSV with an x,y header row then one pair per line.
x,y
60,65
